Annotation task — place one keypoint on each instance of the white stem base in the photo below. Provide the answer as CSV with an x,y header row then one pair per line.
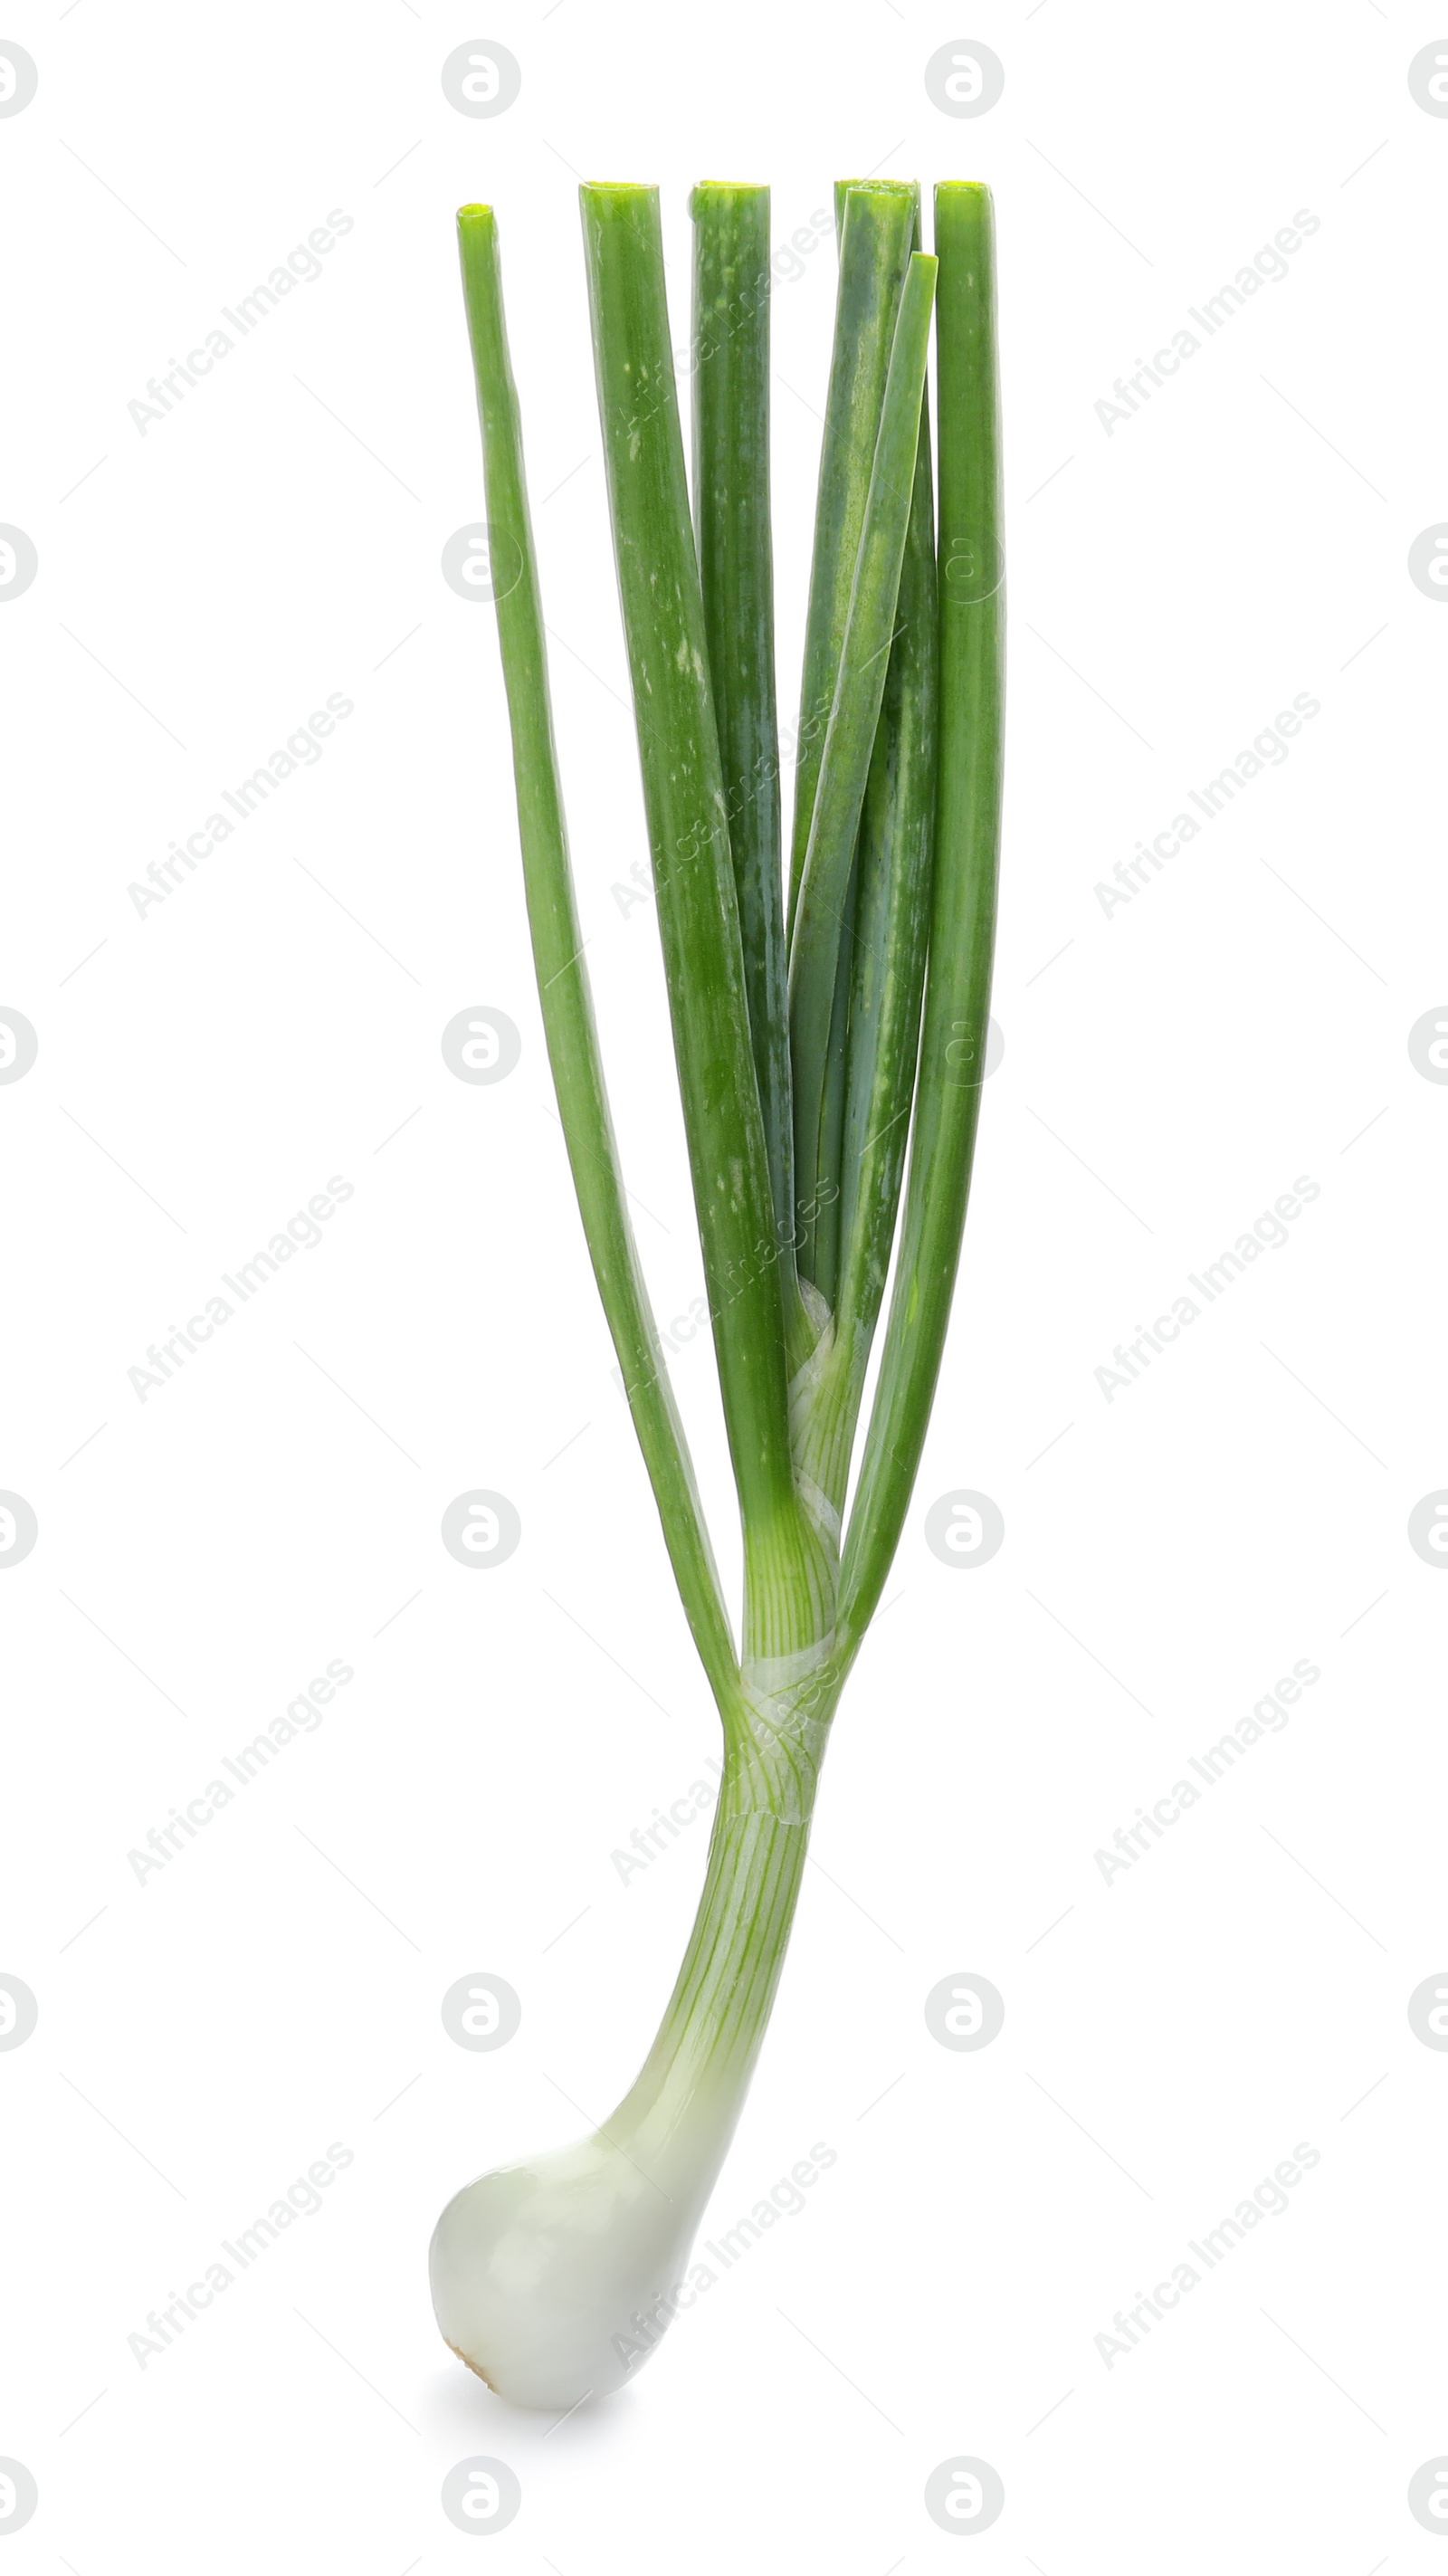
x,y
553,2279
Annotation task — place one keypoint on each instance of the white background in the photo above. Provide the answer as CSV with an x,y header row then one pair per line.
x,y
1169,1070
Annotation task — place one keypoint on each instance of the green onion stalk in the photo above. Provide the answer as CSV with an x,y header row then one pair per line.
x,y
829,1045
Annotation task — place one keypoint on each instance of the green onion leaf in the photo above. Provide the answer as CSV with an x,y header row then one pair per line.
x,y
849,742
563,985
963,908
730,354
894,872
789,1585
875,219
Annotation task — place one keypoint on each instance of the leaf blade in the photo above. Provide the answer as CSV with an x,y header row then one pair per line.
x,y
564,990
854,716
963,908
684,804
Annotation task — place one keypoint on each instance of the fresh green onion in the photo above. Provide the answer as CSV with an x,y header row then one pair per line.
x,y
815,946
553,2279
730,356
971,565
875,221
563,986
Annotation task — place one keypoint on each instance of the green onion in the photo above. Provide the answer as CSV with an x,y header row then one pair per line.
x,y
563,985
553,2279
875,221
730,355
962,928
815,946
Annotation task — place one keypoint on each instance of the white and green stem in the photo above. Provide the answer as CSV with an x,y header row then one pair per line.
x,y
553,2278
